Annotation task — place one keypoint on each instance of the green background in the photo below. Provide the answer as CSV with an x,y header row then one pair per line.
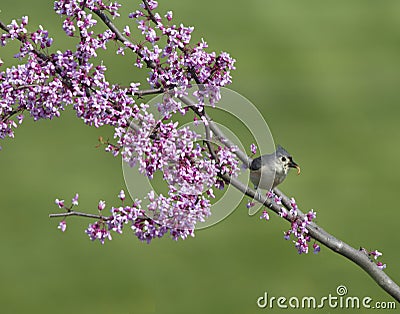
x,y
325,75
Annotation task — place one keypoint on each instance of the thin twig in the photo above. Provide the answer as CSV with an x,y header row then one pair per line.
x,y
191,69
4,27
216,130
120,37
74,213
151,15
146,92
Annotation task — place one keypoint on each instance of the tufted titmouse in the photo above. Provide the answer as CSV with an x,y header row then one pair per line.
x,y
267,171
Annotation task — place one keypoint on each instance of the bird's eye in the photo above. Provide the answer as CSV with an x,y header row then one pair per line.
x,y
283,158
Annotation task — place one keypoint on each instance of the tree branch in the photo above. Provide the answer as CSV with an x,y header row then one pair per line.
x,y
338,246
120,37
316,232
154,20
216,130
4,27
74,213
146,92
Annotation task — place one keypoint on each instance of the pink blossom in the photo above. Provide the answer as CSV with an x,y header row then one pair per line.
x,y
62,225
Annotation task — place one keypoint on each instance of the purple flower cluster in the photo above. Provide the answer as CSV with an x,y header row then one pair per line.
x,y
299,228
165,219
29,86
299,223
265,215
179,212
227,160
253,148
62,225
44,84
175,216
375,255
98,231
176,63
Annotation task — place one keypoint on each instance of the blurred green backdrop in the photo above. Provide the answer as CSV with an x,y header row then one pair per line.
x,y
325,75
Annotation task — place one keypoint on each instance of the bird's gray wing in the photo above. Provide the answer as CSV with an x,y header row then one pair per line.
x,y
256,164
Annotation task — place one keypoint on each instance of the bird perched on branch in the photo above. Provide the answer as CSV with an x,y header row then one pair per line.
x,y
268,171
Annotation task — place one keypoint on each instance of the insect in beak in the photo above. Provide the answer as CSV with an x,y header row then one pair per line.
x,y
292,164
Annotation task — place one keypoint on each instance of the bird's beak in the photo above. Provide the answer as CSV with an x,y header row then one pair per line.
x,y
292,164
